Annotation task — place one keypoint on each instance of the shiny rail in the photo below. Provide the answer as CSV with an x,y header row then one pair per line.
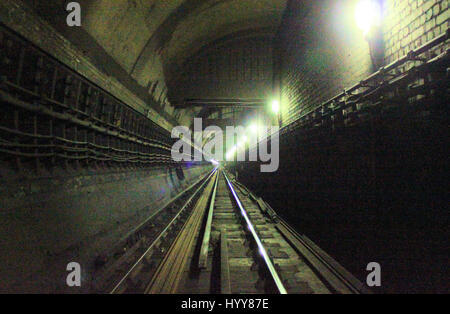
x,y
207,234
120,284
332,274
262,250
170,271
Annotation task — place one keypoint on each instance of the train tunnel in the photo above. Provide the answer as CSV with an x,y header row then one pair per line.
x,y
224,146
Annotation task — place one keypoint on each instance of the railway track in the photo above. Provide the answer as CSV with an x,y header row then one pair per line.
x,y
232,242
131,271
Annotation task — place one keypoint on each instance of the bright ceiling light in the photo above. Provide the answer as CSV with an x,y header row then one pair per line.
x,y
275,106
368,15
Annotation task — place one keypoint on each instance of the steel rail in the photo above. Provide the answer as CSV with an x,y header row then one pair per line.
x,y
334,275
207,234
276,278
331,272
169,273
174,199
168,227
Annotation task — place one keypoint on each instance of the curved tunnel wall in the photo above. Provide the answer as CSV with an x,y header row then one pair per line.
x,y
49,222
234,69
144,44
73,215
334,173
369,191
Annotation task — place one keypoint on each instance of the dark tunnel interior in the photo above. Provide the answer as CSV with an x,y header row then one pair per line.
x,y
330,116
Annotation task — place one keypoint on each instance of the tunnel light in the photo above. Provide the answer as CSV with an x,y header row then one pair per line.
x,y
243,141
368,15
254,128
275,106
231,153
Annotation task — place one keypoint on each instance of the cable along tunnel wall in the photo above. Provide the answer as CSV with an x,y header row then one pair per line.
x,y
79,170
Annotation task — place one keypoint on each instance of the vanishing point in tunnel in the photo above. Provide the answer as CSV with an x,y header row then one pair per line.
x,y
224,146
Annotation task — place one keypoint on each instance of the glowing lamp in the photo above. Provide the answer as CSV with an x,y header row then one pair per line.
x,y
275,106
368,15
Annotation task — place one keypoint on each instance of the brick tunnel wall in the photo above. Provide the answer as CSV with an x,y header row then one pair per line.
x,y
232,69
410,24
323,51
366,192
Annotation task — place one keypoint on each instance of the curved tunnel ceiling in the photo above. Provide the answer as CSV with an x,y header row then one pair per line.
x,y
214,20
151,40
134,31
